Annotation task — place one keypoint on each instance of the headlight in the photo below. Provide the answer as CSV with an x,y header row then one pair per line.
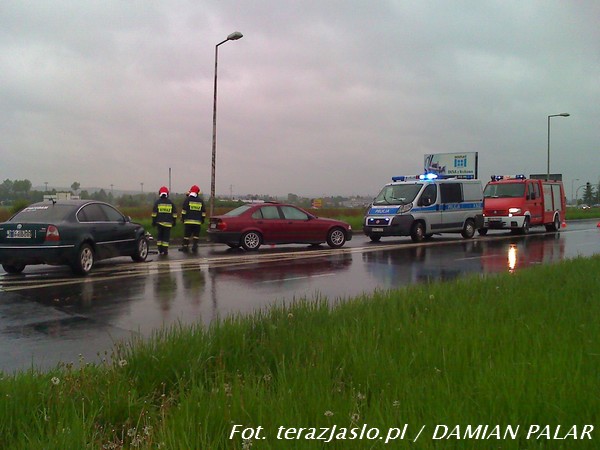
x,y
406,208
514,210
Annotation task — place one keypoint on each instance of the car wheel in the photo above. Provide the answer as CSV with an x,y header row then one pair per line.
x,y
336,238
251,240
141,250
13,268
375,238
482,231
417,233
469,229
83,263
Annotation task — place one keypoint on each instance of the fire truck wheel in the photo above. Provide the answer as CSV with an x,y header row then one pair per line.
x,y
469,229
554,226
525,228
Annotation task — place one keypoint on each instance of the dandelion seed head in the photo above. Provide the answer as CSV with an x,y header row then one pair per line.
x,y
328,413
122,363
55,381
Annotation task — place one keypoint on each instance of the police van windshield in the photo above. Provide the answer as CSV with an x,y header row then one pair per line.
x,y
397,194
504,190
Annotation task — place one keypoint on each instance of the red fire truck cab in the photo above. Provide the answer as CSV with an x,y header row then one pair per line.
x,y
518,203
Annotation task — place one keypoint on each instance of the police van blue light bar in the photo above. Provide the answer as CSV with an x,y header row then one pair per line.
x,y
399,178
428,176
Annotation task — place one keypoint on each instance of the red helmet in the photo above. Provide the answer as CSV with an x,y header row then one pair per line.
x,y
163,191
195,189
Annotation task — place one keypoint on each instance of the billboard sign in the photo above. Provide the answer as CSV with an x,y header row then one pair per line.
x,y
461,165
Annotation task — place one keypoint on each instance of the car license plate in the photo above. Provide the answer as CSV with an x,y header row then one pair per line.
x,y
213,226
377,230
18,234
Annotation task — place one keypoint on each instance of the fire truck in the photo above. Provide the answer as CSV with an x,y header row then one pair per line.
x,y
518,203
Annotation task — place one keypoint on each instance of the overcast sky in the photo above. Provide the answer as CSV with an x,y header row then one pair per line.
x,y
318,98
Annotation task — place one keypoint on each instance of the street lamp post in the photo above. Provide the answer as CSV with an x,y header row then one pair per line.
x,y
577,191
232,37
573,200
552,115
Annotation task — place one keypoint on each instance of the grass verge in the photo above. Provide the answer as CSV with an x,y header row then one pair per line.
x,y
505,350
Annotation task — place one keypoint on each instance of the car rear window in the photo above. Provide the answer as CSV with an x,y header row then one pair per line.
x,y
239,210
42,213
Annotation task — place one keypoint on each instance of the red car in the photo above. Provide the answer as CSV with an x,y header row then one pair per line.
x,y
250,226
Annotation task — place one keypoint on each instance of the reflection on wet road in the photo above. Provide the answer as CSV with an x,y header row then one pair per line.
x,y
47,315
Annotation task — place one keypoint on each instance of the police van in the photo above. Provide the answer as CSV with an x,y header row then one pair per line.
x,y
425,205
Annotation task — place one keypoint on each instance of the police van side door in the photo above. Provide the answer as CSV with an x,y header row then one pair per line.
x,y
429,208
451,197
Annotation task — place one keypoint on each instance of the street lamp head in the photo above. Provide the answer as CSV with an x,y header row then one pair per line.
x,y
235,36
559,115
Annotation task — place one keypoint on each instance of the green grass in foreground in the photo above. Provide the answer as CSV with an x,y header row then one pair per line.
x,y
502,350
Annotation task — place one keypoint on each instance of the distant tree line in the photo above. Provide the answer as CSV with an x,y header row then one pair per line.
x,y
21,191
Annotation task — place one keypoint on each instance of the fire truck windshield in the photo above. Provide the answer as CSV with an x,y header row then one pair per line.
x,y
398,194
504,190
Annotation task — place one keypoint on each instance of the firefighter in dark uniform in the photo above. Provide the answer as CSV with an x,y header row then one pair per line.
x,y
164,216
193,214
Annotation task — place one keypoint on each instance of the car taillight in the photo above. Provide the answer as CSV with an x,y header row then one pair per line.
x,y
52,233
221,225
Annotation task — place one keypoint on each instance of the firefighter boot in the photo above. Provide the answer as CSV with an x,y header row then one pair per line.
x,y
185,245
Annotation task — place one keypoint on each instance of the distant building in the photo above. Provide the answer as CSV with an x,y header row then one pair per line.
x,y
60,196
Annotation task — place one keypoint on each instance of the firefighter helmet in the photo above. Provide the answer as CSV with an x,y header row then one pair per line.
x,y
163,191
195,189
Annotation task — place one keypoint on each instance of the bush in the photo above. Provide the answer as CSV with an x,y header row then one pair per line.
x,y
18,205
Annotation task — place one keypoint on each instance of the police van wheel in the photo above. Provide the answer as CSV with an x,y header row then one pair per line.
x,y
417,233
375,238
469,229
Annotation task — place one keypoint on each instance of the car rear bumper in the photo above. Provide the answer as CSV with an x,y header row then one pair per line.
x,y
224,237
41,254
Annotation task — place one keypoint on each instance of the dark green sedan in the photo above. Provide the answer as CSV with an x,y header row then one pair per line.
x,y
73,232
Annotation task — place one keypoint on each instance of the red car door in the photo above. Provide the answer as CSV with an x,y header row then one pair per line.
x,y
300,227
268,221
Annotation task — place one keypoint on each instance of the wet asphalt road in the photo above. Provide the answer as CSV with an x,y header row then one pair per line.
x,y
47,315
